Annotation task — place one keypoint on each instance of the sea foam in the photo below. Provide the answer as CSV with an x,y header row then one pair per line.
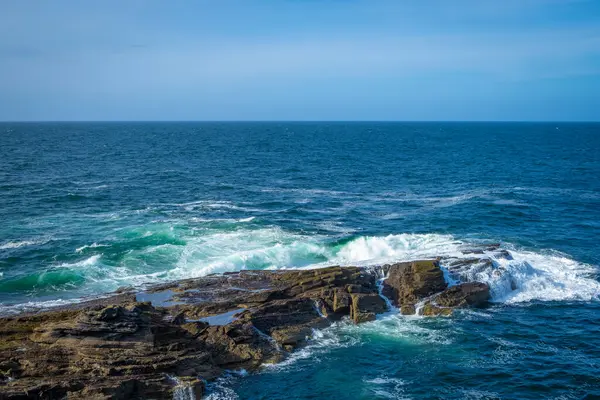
x,y
22,243
527,276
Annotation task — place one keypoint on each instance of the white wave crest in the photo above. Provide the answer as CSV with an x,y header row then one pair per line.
x,y
33,306
89,246
83,263
212,204
368,250
543,276
267,248
528,276
225,220
388,388
22,243
538,276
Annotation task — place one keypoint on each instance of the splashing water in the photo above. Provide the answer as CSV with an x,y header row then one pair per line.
x,y
526,276
183,393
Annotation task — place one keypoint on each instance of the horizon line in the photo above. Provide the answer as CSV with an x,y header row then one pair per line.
x,y
296,121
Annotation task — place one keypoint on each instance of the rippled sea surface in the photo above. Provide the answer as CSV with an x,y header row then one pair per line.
x,y
90,207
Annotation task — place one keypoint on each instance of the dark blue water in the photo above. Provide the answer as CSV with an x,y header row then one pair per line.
x,y
89,207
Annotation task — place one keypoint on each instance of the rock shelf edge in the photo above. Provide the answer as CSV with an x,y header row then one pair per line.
x,y
178,336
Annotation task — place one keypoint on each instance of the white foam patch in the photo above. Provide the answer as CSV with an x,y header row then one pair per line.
x,y
537,276
322,342
220,390
335,227
267,248
316,192
387,388
211,204
529,276
181,391
89,246
542,276
31,306
227,220
21,243
385,380
369,250
413,329
90,261
345,334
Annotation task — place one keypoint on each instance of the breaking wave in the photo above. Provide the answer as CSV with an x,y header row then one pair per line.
x,y
149,256
522,276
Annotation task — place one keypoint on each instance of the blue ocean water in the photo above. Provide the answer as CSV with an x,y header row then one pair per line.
x,y
87,208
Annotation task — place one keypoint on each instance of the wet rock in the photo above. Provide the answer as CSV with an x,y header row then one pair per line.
x,y
194,328
430,310
407,309
365,307
408,283
189,388
361,317
341,302
471,294
178,319
238,346
110,313
292,337
474,294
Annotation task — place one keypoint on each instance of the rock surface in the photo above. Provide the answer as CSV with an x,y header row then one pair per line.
x,y
410,282
175,337
471,294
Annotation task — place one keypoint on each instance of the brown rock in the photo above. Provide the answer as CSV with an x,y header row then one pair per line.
x,y
189,388
407,283
407,309
431,310
341,302
118,348
178,319
366,306
361,317
472,294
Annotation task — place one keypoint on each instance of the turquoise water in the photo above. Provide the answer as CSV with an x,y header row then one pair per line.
x,y
90,207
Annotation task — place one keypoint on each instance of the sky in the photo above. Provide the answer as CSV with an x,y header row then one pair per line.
x,y
442,60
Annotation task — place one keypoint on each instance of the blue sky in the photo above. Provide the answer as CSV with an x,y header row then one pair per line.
x,y
300,60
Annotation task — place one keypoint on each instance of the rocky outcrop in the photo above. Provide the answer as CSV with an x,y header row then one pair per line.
x,y
419,287
176,336
471,294
410,282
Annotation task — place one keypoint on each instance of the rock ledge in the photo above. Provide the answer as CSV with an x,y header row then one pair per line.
x,y
177,336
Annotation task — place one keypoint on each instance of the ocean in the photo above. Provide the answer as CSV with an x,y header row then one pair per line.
x,y
87,208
